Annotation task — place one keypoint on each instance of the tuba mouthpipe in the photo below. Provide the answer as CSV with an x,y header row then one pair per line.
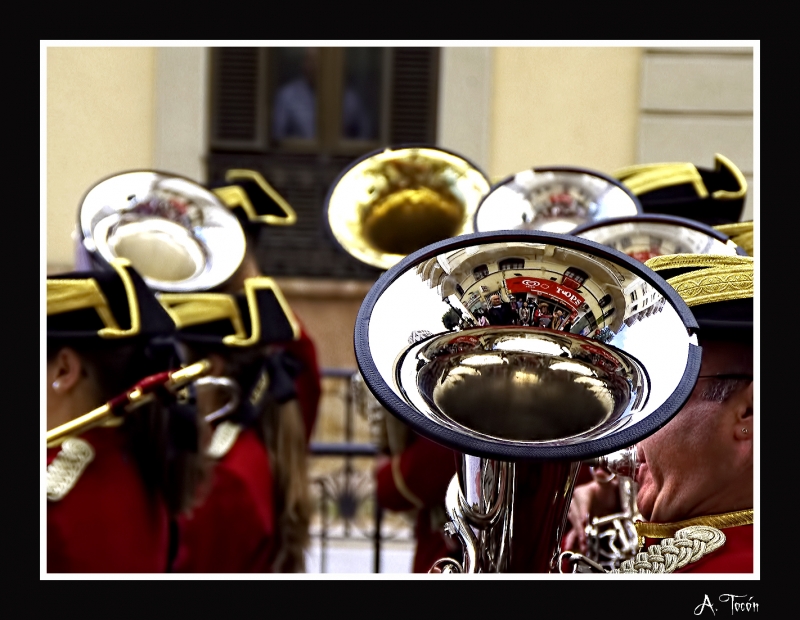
x,y
504,552
624,462
458,526
483,501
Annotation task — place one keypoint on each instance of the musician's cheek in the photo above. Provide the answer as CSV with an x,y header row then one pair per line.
x,y
646,496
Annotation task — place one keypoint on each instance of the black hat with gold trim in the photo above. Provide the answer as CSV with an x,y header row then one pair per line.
x,y
256,317
254,201
718,289
712,196
103,307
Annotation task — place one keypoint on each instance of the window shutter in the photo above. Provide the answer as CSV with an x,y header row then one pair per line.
x,y
414,95
238,140
238,104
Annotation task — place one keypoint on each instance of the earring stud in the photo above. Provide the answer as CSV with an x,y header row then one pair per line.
x,y
56,384
744,430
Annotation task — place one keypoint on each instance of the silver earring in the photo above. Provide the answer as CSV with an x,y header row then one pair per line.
x,y
56,384
744,430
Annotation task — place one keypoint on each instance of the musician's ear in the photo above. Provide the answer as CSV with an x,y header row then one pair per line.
x,y
65,370
743,409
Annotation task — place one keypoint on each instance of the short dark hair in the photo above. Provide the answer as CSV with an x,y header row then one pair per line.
x,y
719,389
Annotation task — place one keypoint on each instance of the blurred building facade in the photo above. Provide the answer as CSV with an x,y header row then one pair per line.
x,y
109,109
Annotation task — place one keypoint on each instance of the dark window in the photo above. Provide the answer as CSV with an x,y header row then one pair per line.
x,y
481,271
574,278
299,116
512,263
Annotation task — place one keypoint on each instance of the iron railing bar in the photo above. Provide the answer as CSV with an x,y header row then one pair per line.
x,y
342,449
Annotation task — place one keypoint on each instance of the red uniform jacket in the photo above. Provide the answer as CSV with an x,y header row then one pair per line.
x,y
735,556
233,530
108,522
426,469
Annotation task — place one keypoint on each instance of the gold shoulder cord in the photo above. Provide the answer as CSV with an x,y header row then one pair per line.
x,y
225,435
65,470
683,542
689,545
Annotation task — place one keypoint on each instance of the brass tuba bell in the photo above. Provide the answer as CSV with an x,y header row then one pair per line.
x,y
393,201
524,405
176,233
554,199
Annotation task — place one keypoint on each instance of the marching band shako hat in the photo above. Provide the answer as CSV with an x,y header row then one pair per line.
x,y
254,201
712,196
718,289
104,307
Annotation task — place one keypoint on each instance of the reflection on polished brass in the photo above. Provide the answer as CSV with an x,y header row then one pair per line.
x,y
646,237
525,384
397,201
443,343
553,200
176,233
610,321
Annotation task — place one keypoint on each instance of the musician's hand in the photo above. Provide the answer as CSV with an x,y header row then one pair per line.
x,y
589,500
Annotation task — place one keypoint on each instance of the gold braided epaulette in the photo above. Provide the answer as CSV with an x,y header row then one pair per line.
x,y
66,468
222,440
689,545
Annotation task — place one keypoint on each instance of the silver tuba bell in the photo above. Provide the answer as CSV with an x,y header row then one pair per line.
x,y
554,199
177,234
524,406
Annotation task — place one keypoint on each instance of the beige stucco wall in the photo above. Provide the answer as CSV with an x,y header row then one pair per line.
x,y
100,106
563,106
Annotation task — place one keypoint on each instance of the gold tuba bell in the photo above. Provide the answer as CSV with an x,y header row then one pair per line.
x,y
393,201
